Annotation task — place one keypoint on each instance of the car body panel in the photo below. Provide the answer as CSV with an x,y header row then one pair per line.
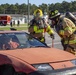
x,y
60,65
42,55
18,64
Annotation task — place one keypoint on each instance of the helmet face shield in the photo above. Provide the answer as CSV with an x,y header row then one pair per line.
x,y
37,14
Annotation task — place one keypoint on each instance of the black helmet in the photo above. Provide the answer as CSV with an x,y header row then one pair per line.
x,y
53,14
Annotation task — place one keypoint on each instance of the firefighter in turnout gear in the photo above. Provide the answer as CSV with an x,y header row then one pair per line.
x,y
66,30
38,26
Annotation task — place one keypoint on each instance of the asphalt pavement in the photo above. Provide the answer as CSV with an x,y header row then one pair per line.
x,y
56,42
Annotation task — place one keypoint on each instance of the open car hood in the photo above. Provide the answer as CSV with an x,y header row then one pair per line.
x,y
39,55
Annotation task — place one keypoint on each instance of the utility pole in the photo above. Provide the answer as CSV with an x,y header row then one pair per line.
x,y
28,11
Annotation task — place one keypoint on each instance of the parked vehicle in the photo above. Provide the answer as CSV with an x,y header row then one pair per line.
x,y
22,54
5,20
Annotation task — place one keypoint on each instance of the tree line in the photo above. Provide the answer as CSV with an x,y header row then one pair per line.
x,y
23,8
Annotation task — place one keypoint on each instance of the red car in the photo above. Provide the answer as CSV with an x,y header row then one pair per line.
x,y
22,54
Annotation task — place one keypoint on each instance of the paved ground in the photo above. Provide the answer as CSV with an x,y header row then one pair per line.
x,y
57,43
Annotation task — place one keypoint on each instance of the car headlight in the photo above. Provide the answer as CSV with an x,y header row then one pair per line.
x,y
43,67
74,62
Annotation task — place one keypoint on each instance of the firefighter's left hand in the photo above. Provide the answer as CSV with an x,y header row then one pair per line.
x,y
52,36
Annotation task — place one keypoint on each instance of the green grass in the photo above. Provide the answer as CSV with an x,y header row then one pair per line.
x,y
21,27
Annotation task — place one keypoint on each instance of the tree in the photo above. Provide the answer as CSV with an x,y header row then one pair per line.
x,y
33,7
44,7
22,9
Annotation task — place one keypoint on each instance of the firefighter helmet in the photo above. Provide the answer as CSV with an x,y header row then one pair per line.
x,y
38,13
53,14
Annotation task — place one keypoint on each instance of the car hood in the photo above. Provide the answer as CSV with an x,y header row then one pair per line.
x,y
39,55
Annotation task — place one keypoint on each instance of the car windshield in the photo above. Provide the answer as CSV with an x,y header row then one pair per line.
x,y
18,40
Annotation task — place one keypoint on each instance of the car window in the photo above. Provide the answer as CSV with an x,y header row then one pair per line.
x,y
18,40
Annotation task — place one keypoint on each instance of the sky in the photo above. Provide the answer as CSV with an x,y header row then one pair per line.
x,y
37,2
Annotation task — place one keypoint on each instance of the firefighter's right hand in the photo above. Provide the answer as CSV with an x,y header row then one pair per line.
x,y
52,36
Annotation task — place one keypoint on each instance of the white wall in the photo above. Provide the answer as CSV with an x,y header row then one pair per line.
x,y
21,19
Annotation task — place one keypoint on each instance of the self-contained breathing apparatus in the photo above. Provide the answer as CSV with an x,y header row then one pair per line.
x,y
71,17
40,23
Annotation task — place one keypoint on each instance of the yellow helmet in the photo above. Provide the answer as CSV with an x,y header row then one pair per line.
x,y
38,13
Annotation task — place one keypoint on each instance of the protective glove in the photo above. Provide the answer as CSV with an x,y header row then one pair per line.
x,y
52,36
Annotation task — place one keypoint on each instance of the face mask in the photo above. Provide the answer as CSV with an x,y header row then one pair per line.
x,y
38,15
